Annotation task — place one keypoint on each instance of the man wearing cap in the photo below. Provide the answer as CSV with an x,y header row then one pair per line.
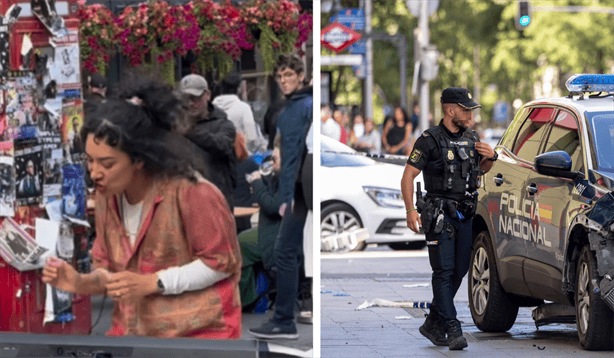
x,y
213,133
452,157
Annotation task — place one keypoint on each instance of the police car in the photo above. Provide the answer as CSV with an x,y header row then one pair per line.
x,y
543,235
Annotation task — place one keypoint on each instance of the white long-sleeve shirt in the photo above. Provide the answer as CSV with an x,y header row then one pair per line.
x,y
189,277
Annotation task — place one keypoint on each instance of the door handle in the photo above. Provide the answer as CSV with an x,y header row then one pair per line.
x,y
532,189
498,179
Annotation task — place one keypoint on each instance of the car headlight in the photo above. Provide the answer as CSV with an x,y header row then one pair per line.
x,y
389,198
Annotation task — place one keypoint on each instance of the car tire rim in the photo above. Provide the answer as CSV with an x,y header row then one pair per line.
x,y
584,298
339,222
480,281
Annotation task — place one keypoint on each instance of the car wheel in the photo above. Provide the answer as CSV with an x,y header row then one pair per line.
x,y
491,309
407,245
338,218
593,316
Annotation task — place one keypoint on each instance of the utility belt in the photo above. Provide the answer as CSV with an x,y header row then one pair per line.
x,y
432,208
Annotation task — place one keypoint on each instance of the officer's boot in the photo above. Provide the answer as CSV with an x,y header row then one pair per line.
x,y
456,340
433,329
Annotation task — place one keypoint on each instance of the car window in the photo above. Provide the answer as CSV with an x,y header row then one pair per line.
x,y
531,133
344,160
564,136
336,154
602,127
510,135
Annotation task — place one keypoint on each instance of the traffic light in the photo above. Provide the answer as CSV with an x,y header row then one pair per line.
x,y
523,17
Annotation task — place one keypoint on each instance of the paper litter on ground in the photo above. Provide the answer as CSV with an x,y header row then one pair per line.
x,y
378,302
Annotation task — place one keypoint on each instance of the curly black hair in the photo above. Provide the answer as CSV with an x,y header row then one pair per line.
x,y
147,121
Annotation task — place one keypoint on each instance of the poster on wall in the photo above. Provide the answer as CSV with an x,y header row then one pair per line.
x,y
18,248
20,109
64,67
28,169
52,167
4,48
7,179
73,191
72,120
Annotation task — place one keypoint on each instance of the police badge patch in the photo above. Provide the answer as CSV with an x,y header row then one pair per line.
x,y
450,155
415,156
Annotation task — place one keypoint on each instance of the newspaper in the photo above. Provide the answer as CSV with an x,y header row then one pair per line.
x,y
18,248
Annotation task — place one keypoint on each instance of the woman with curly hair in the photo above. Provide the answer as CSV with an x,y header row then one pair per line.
x,y
166,249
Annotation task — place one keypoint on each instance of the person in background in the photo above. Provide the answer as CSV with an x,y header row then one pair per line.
x,y
213,133
243,196
344,135
357,129
294,122
371,141
330,127
166,249
257,250
240,113
397,133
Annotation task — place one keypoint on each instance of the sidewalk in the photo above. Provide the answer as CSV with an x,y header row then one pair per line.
x,y
393,332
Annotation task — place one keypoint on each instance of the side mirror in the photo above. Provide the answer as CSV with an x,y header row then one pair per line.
x,y
555,164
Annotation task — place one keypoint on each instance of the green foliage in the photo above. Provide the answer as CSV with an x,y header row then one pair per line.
x,y
478,37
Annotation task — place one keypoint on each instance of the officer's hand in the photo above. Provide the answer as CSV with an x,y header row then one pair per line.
x,y
413,221
484,149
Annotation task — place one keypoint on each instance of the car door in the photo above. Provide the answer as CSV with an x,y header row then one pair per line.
x,y
553,201
509,212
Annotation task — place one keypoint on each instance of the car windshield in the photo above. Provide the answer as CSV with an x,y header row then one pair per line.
x,y
602,127
331,155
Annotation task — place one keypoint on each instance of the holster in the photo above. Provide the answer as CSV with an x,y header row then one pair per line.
x,y
427,215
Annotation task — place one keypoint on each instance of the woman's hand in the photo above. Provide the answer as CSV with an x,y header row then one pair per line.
x,y
60,274
129,286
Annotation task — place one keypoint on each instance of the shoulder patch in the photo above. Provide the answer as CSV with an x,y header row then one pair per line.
x,y
415,156
425,134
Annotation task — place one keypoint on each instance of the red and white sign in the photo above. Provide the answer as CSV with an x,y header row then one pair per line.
x,y
337,37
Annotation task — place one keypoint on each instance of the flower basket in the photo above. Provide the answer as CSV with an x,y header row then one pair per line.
x,y
222,36
98,29
274,27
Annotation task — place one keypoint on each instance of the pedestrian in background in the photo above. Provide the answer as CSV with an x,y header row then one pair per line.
x,y
213,133
452,157
329,128
150,202
293,125
344,134
357,129
371,141
239,113
397,133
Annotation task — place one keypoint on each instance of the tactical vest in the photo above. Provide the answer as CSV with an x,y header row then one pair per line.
x,y
456,172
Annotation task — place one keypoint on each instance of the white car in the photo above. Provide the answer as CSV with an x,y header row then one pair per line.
x,y
358,192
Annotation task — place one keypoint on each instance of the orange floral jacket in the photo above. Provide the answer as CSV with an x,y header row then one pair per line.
x,y
182,221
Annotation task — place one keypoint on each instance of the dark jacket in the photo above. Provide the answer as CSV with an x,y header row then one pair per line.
x,y
293,123
215,135
268,197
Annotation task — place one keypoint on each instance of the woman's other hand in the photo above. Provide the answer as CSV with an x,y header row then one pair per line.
x,y
129,286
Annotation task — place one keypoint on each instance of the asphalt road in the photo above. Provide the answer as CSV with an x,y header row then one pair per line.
x,y
351,279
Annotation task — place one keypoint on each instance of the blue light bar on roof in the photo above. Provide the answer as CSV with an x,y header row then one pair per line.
x,y
590,83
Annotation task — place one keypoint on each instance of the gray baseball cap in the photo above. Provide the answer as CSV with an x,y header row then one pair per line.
x,y
194,85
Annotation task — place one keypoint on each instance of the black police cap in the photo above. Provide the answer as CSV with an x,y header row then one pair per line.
x,y
460,96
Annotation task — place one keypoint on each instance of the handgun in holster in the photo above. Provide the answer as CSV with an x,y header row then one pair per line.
x,y
428,214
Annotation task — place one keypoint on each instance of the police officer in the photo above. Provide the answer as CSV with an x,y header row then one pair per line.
x,y
452,157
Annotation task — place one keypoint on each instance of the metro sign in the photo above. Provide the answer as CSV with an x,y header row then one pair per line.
x,y
337,37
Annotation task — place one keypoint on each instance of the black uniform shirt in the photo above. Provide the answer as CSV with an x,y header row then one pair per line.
x,y
426,149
